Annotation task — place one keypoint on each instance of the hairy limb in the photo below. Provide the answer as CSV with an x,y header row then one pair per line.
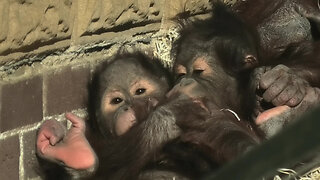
x,y
223,137
142,144
216,132
273,120
289,94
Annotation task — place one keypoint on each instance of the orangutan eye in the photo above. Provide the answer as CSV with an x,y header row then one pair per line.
x,y
116,100
180,75
197,71
140,91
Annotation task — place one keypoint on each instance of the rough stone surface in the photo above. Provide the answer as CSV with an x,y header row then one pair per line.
x,y
21,103
9,158
52,21
53,26
27,24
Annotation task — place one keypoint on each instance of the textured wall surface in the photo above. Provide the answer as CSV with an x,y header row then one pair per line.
x,y
48,51
33,27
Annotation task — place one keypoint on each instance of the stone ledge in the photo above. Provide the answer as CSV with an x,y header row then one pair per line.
x,y
15,60
27,24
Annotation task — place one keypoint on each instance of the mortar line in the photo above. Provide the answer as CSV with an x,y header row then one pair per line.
x,y
44,94
18,130
21,159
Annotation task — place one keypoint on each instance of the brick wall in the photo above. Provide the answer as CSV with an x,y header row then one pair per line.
x,y
48,51
25,103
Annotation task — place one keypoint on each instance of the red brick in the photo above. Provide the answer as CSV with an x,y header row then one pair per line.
x,y
21,103
9,158
31,164
67,89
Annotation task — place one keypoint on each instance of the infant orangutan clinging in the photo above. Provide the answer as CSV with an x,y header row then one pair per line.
x,y
123,93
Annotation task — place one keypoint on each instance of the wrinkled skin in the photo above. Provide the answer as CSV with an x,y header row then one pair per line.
x,y
281,24
289,32
68,148
278,86
282,86
120,91
284,109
